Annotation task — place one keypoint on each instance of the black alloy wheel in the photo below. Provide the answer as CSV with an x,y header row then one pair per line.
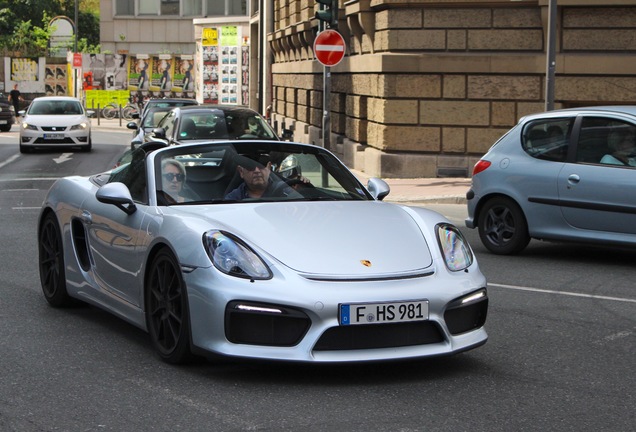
x,y
51,263
502,227
166,309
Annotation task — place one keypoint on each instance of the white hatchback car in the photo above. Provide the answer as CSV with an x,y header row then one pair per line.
x,y
55,121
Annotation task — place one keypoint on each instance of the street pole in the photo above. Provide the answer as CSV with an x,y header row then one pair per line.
x,y
326,107
75,50
551,56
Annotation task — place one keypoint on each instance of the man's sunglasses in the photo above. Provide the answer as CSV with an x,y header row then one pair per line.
x,y
172,176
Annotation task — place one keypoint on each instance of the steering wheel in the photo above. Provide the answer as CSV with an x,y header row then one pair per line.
x,y
298,182
247,136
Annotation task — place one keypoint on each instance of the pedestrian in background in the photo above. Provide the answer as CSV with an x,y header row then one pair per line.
x,y
15,97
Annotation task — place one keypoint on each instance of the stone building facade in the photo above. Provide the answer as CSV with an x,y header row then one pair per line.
x,y
427,86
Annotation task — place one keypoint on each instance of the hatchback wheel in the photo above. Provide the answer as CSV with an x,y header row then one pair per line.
x,y
166,309
502,227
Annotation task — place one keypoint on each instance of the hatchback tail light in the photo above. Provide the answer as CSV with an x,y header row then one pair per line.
x,y
480,166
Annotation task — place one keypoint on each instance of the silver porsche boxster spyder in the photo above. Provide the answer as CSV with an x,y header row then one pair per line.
x,y
260,250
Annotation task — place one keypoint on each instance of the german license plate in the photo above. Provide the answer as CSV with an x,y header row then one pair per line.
x,y
53,136
382,313
3,122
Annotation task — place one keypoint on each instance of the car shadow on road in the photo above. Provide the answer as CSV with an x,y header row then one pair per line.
x,y
258,371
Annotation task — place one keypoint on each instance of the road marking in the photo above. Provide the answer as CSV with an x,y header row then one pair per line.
x,y
30,179
8,161
63,158
565,293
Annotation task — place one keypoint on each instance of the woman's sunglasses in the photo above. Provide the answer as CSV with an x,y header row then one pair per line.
x,y
172,176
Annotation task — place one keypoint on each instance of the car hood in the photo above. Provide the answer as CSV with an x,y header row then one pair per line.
x,y
339,239
55,120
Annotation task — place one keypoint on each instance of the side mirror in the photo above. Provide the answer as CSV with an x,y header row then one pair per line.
x,y
378,188
132,125
287,135
118,195
159,133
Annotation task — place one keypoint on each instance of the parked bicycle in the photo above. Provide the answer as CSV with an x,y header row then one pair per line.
x,y
112,110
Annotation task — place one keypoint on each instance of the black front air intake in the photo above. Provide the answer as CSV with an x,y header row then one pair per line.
x,y
264,324
371,336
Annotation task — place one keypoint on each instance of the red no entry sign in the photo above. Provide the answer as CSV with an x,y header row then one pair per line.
x,y
329,47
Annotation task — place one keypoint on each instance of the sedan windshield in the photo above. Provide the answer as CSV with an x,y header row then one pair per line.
x,y
219,124
252,171
55,107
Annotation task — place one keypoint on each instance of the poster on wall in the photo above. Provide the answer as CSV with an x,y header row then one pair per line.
x,y
24,69
100,98
162,73
116,71
94,71
229,59
55,80
139,73
183,77
245,74
210,65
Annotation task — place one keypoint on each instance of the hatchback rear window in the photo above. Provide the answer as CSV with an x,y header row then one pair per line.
x,y
547,139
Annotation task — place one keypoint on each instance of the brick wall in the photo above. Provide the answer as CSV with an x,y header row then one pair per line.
x,y
426,89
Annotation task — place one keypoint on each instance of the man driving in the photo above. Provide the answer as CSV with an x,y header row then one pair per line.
x,y
255,172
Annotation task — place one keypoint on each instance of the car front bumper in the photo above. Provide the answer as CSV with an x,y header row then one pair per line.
x,y
30,138
302,323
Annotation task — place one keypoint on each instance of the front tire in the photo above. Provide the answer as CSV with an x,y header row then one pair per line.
x,y
51,263
502,227
167,315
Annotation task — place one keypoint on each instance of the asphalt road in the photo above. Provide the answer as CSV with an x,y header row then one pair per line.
x,y
561,354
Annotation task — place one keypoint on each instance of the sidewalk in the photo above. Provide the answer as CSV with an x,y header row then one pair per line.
x,y
403,191
424,190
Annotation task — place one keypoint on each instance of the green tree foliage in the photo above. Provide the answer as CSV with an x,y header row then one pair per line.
x,y
19,30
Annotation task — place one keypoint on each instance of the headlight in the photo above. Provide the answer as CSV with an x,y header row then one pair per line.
x,y
80,126
233,257
29,126
457,253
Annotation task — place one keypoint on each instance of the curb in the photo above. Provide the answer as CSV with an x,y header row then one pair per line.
x,y
438,199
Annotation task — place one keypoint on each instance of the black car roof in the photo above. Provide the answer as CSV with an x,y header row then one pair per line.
x,y
180,100
225,108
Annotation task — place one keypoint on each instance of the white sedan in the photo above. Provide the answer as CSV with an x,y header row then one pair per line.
x,y
55,121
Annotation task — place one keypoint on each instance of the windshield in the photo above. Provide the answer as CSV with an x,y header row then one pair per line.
x,y
55,107
252,171
153,117
219,124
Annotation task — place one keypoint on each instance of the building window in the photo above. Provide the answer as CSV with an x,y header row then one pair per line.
x,y
186,8
148,7
169,7
124,7
227,7
192,7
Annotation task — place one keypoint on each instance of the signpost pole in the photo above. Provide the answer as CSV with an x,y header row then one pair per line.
x,y
329,49
551,56
326,107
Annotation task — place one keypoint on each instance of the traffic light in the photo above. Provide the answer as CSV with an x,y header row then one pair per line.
x,y
328,13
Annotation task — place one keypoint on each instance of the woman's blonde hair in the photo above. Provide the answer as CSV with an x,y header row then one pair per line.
x,y
173,162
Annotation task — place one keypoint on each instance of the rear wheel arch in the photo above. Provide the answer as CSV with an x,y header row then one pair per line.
x,y
487,198
502,225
